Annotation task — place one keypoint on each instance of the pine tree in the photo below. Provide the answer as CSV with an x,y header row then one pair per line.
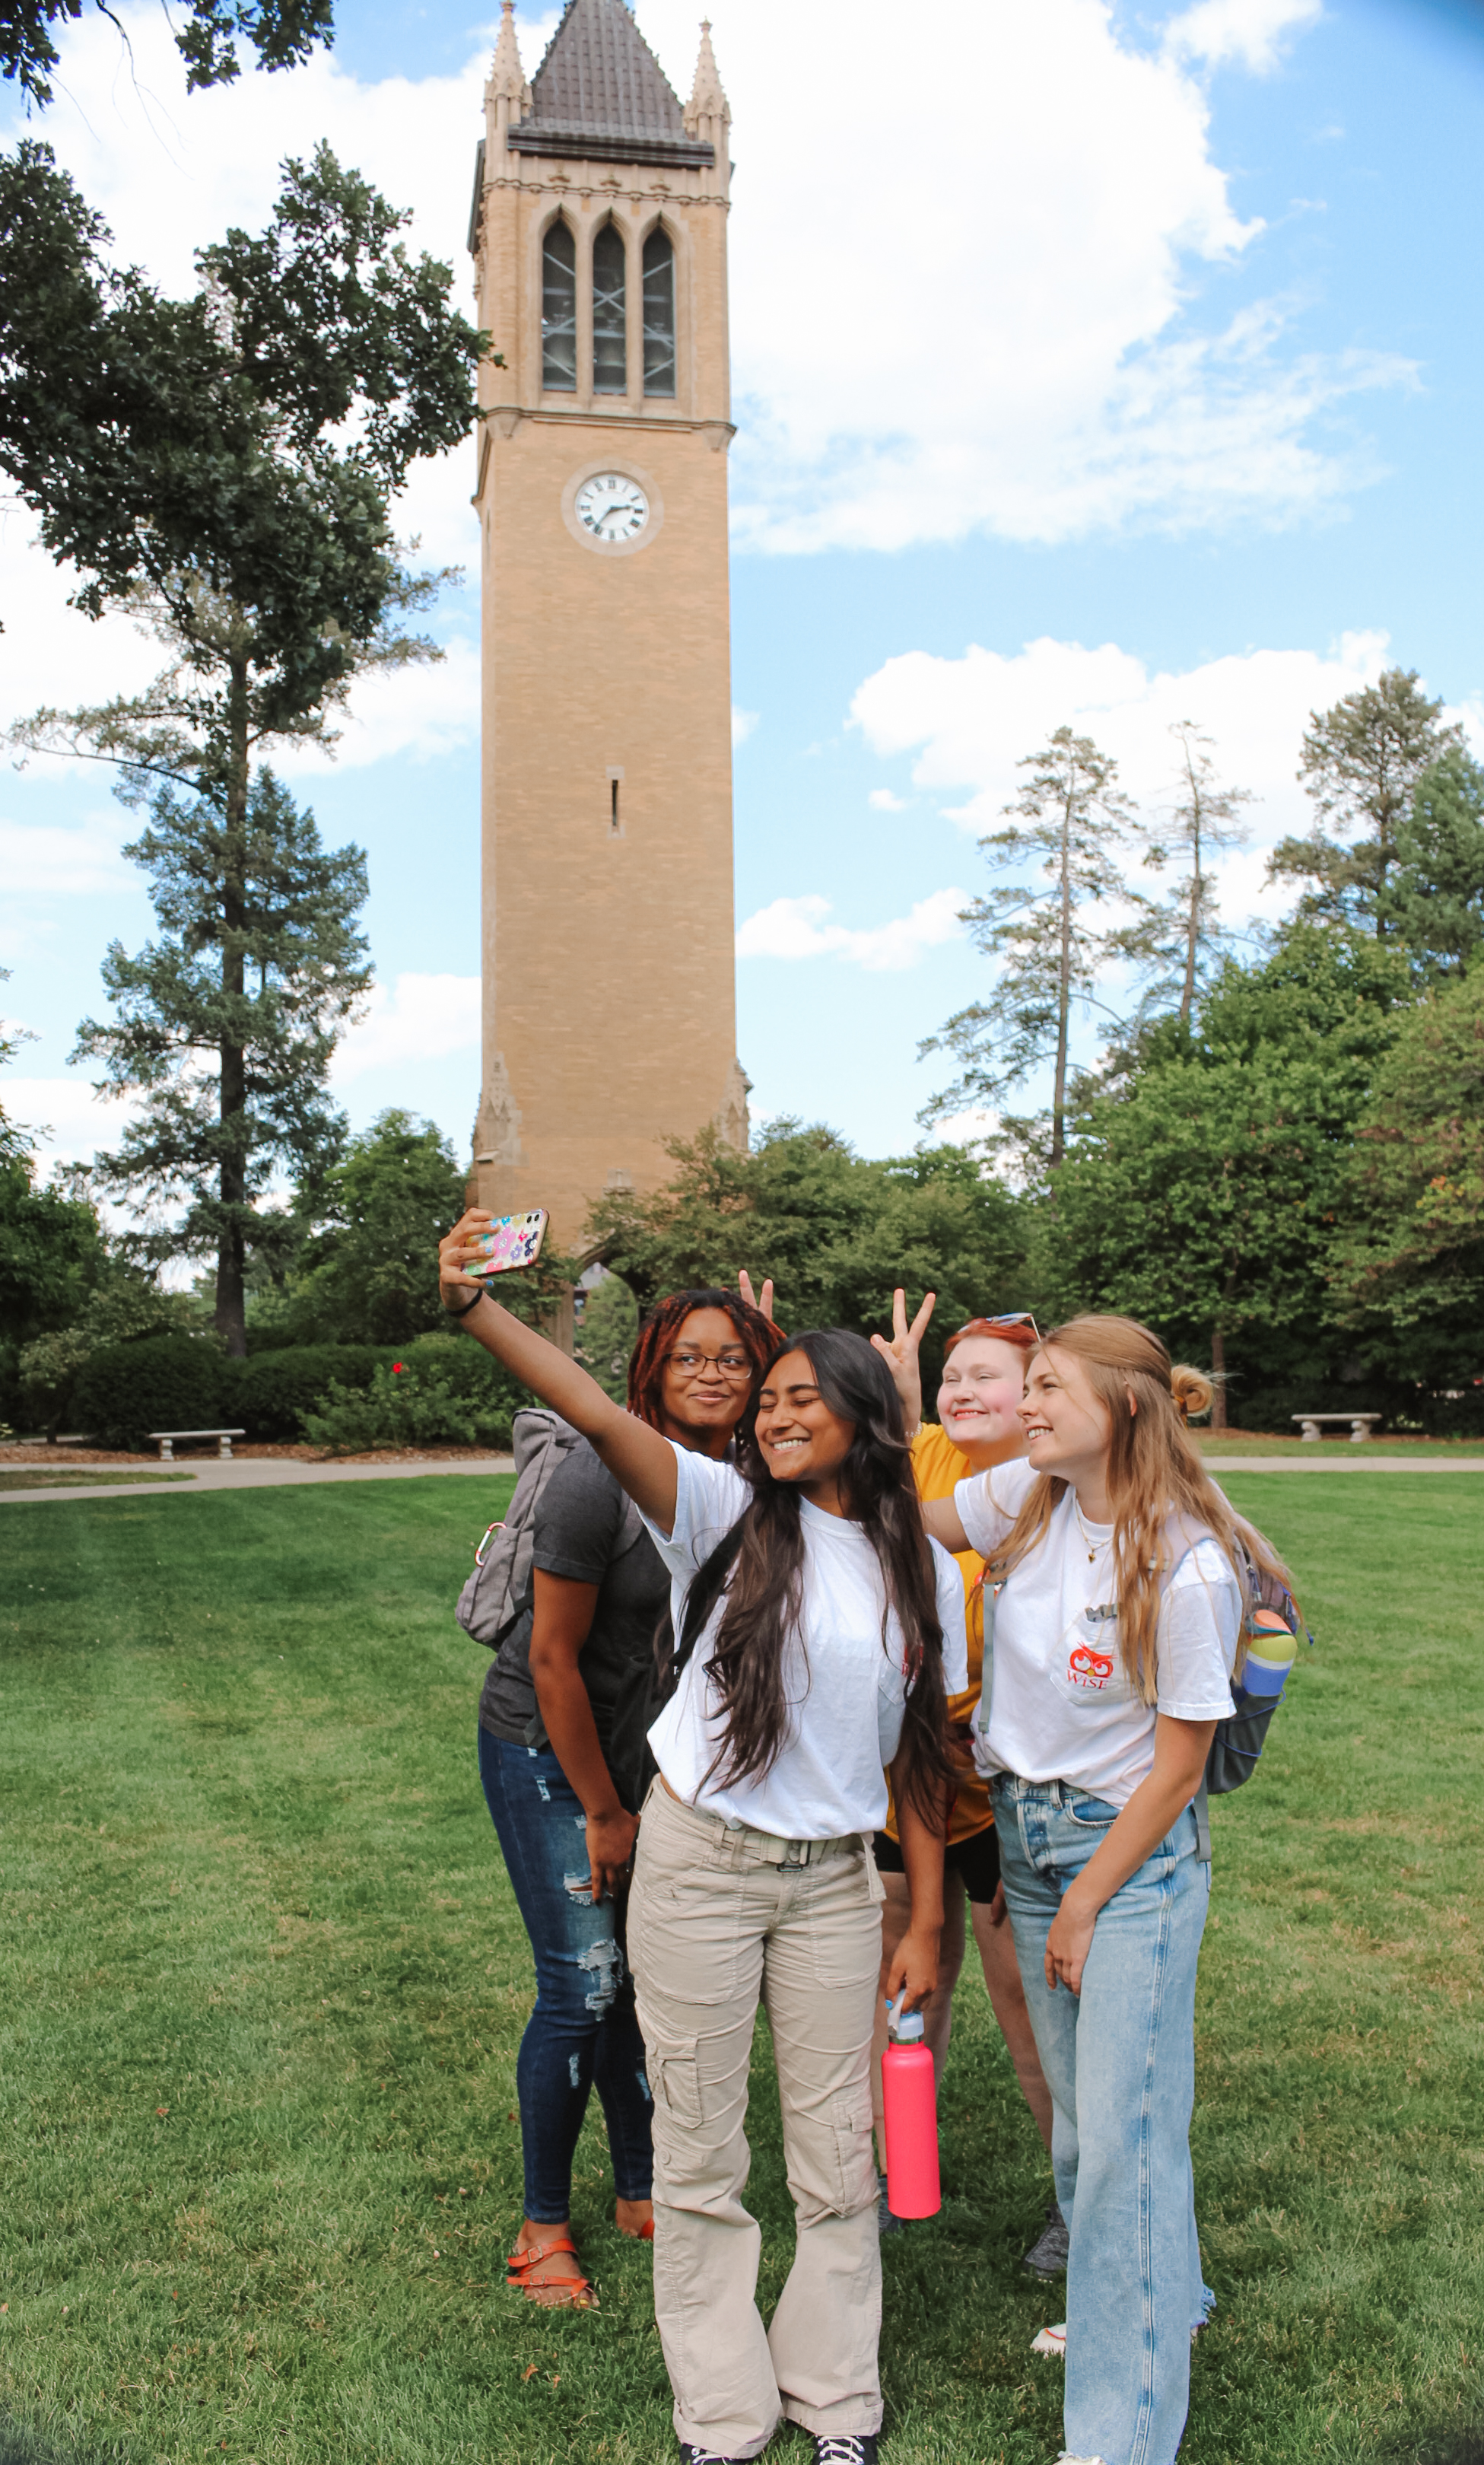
x,y
1072,815
226,1025
1173,943
1362,761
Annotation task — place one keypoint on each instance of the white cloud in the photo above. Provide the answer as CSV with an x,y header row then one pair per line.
x,y
420,1018
882,800
972,719
795,928
1024,354
71,1125
1249,33
427,711
56,859
743,721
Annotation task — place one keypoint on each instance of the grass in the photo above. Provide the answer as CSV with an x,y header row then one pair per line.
x,y
1250,1442
21,1477
261,1987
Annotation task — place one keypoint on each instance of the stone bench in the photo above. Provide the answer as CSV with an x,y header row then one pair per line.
x,y
1359,1424
168,1440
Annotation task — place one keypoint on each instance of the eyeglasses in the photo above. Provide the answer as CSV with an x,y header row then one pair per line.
x,y
1007,1318
690,1364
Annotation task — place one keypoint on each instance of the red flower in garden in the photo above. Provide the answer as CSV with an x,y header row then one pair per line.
x,y
395,1367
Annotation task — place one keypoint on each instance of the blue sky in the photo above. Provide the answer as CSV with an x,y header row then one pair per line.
x,y
1104,365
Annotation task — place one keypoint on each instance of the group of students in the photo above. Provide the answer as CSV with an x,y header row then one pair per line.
x,y
907,1671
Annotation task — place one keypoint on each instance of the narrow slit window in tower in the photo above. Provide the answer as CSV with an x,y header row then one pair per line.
x,y
610,322
613,821
559,310
658,313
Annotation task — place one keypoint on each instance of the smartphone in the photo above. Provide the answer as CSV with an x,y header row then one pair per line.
x,y
511,1241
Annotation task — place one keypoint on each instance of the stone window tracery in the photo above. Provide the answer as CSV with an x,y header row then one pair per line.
x,y
659,354
559,310
610,312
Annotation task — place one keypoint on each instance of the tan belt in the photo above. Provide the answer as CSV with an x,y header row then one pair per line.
x,y
765,1848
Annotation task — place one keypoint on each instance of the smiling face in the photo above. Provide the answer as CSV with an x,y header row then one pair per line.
x,y
1067,1426
799,1438
978,1400
707,1379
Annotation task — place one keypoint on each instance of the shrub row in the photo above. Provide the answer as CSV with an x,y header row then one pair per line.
x,y
175,1382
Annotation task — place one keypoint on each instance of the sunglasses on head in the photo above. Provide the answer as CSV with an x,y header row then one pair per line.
x,y
1006,1317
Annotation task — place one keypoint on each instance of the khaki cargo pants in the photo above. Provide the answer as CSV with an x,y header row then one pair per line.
x,y
718,1920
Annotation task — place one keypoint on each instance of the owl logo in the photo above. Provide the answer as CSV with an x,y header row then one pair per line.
x,y
1086,1667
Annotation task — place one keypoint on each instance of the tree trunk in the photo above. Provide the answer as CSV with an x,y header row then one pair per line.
x,y
1219,1379
232,1247
1194,918
1063,991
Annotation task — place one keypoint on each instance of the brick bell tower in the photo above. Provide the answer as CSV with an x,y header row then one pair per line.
x,y
599,236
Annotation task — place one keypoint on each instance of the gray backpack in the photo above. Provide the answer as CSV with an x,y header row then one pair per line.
x,y
500,1586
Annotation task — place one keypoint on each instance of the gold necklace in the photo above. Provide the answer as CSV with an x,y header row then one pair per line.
x,y
1076,1509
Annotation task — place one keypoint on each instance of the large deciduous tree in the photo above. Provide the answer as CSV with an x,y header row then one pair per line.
x,y
226,1025
1409,1246
838,1232
223,468
279,33
1070,818
1361,763
1200,1194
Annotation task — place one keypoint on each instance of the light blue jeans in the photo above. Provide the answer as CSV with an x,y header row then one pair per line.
x,y
1120,2063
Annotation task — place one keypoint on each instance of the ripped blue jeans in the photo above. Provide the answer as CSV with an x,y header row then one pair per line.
x,y
583,2033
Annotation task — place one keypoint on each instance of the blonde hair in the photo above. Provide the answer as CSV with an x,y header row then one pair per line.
x,y
1155,1476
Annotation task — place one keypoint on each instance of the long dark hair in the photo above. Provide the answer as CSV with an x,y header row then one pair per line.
x,y
759,1567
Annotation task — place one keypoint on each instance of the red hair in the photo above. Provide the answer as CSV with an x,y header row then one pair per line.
x,y
1019,1331
759,1338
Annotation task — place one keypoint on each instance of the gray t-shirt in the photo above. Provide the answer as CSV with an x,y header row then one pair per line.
x,y
585,1531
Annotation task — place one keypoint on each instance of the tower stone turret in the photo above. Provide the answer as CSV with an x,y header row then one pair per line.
x,y
599,238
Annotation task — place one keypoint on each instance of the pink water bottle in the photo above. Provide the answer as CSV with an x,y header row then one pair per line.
x,y
909,2100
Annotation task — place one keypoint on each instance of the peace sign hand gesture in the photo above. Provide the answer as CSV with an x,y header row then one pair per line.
x,y
900,1355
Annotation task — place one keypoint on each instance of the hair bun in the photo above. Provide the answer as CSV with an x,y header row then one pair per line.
x,y
1192,1391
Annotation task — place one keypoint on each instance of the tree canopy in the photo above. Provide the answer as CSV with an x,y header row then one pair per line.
x,y
1362,761
279,33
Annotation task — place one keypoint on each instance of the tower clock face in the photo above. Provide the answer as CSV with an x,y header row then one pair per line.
x,y
612,507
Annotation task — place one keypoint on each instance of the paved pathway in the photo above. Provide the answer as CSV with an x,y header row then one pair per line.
x,y
274,1472
286,1472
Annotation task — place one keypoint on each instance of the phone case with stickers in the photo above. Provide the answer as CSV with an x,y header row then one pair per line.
x,y
511,1241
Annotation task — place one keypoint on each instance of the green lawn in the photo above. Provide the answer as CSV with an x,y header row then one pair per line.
x,y
79,1477
261,1985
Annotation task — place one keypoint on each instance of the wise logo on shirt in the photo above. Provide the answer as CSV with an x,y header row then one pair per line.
x,y
1088,1668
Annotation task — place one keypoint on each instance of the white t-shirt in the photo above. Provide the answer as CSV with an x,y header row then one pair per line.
x,y
844,1682
1059,1705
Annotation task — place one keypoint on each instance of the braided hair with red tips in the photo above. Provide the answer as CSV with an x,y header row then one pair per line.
x,y
759,1338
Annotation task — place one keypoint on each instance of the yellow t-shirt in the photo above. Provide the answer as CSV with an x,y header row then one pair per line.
x,y
938,1467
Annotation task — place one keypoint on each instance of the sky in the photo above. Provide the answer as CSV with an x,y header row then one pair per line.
x,y
1092,364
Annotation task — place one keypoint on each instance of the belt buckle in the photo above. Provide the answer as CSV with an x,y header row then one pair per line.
x,y
797,1864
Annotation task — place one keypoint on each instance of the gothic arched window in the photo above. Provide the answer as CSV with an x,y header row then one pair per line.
x,y
559,310
658,313
610,317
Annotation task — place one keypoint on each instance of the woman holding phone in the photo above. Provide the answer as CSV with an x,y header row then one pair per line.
x,y
563,1716
814,1625
1118,1628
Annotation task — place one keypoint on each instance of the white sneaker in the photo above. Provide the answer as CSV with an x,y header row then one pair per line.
x,y
1052,2340
1067,2458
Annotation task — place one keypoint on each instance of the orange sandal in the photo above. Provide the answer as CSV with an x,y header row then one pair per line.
x,y
568,2293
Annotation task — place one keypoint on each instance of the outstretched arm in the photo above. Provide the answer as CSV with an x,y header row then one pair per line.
x,y
638,1457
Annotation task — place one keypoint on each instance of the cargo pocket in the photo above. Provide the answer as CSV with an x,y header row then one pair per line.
x,y
674,2078
854,2156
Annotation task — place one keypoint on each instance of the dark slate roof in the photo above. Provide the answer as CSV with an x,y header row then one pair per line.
x,y
600,92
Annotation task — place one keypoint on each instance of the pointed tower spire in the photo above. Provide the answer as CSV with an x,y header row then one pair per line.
x,y
507,83
707,100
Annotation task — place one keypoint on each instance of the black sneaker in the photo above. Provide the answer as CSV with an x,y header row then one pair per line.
x,y
690,2455
1048,2256
856,2448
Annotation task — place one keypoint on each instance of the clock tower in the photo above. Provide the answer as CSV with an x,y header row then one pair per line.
x,y
599,237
